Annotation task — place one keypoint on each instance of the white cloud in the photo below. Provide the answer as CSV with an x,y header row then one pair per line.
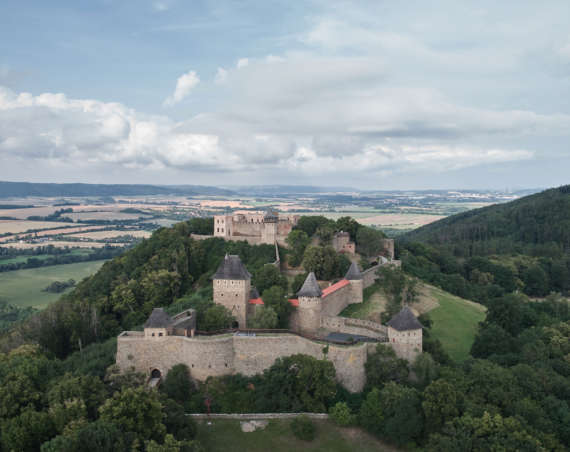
x,y
242,62
184,84
75,132
221,75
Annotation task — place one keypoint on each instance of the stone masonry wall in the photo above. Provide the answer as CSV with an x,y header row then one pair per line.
x,y
355,326
406,344
335,302
234,295
369,276
227,354
244,228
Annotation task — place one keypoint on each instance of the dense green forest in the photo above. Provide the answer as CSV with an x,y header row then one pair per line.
x,y
537,225
521,246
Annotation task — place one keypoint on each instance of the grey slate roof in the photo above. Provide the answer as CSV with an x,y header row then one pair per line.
x,y
231,268
310,287
271,216
405,320
158,319
253,293
353,272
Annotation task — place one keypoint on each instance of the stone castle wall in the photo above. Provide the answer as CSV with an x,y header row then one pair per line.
x,y
247,229
228,354
369,276
355,326
335,302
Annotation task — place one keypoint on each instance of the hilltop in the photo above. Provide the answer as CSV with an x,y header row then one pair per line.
x,y
538,224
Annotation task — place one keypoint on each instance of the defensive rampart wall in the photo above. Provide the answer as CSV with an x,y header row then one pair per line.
x,y
355,326
228,354
369,276
335,302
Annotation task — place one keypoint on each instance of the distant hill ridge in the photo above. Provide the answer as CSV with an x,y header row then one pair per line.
x,y
23,189
533,222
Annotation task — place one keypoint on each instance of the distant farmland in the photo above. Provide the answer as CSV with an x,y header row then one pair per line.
x,y
20,226
102,235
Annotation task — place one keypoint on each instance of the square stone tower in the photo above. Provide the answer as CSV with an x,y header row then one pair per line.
x,y
232,287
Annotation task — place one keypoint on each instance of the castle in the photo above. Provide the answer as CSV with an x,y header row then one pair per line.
x,y
255,228
272,227
167,341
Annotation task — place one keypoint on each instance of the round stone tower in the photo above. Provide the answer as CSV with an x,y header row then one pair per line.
x,y
354,276
310,305
405,334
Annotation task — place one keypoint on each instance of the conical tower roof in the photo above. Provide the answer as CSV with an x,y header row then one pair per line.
x,y
405,320
158,319
353,272
231,268
310,287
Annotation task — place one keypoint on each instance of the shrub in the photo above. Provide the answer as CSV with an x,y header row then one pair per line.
x,y
341,415
303,428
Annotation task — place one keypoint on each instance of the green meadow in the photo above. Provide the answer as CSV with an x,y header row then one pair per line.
x,y
222,435
455,323
24,287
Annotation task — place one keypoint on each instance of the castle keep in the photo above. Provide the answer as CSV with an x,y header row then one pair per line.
x,y
255,228
167,341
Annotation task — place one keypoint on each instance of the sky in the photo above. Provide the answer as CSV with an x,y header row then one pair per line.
x,y
373,95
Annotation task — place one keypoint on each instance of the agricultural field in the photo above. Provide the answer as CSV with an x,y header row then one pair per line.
x,y
102,235
381,220
103,215
24,287
58,244
68,230
24,258
17,227
277,437
22,214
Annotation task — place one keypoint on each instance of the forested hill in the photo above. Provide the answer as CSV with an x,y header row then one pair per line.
x,y
538,225
24,189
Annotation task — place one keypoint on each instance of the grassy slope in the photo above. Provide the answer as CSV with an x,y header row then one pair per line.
x,y
455,320
225,435
455,323
24,287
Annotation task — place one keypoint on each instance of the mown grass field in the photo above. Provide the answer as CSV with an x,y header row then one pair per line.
x,y
455,323
224,435
455,320
24,287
